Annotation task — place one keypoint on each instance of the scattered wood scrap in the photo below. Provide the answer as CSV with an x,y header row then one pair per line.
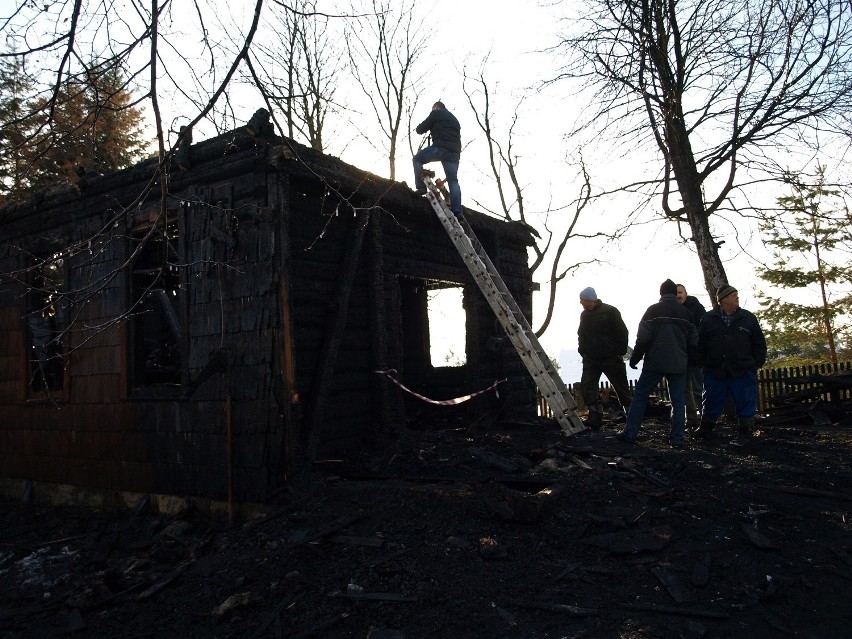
x,y
671,583
571,611
758,538
674,610
842,554
355,540
567,570
629,542
238,600
496,461
320,628
329,530
701,572
378,596
806,492
157,587
647,476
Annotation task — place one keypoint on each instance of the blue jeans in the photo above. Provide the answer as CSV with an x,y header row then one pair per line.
x,y
450,162
647,382
743,390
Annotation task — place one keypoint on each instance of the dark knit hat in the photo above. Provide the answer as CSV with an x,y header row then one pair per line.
x,y
724,291
668,288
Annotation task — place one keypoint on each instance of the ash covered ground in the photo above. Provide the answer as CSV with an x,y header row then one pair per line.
x,y
458,531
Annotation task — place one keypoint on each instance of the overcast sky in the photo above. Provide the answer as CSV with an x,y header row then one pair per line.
x,y
516,34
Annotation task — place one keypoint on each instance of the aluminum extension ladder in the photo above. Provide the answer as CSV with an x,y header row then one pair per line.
x,y
508,313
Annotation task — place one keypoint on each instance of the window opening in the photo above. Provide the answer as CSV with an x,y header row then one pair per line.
x,y
46,323
154,289
447,335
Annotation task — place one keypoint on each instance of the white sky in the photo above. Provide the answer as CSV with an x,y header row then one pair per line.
x,y
633,269
462,33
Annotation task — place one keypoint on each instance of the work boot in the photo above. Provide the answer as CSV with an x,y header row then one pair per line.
x,y
595,417
745,432
624,437
705,429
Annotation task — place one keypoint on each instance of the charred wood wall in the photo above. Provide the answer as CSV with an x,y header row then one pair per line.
x,y
406,243
289,274
104,429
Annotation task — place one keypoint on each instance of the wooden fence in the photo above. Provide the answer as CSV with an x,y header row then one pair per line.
x,y
805,384
772,383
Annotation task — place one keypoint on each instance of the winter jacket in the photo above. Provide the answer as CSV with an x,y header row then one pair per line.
x,y
695,307
444,128
666,337
730,351
602,333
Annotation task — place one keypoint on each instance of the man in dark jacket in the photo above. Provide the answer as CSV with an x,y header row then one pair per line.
x,y
602,344
731,347
665,339
445,147
694,384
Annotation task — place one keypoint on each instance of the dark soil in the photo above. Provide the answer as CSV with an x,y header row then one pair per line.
x,y
515,532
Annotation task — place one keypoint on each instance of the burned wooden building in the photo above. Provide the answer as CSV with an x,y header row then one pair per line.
x,y
213,329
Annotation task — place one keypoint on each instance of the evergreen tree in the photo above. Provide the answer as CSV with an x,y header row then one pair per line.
x,y
15,129
112,138
810,242
88,126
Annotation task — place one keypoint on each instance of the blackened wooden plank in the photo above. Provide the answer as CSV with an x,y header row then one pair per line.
x,y
339,309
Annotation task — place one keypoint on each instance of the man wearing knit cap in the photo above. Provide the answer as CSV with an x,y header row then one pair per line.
x,y
731,347
666,338
602,344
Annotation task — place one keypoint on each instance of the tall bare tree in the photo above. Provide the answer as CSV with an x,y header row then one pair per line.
x,y
384,49
504,167
717,87
304,51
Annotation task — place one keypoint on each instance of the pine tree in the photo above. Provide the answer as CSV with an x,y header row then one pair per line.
x,y
88,126
810,243
112,138
15,129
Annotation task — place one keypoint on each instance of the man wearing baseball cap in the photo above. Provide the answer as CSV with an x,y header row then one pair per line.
x,y
731,347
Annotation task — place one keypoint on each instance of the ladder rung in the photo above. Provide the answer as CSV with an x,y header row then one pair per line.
x,y
507,311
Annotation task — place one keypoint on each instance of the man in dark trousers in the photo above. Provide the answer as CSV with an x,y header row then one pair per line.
x,y
665,339
731,347
694,384
602,345
445,131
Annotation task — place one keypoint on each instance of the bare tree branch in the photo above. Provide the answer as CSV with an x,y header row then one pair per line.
x,y
717,87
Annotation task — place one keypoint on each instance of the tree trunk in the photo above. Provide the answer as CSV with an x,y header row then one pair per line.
x,y
689,187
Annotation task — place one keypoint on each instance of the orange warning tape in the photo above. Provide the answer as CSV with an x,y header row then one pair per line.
x,y
445,402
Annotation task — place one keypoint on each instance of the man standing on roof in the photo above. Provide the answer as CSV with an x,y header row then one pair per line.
x,y
602,344
445,131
